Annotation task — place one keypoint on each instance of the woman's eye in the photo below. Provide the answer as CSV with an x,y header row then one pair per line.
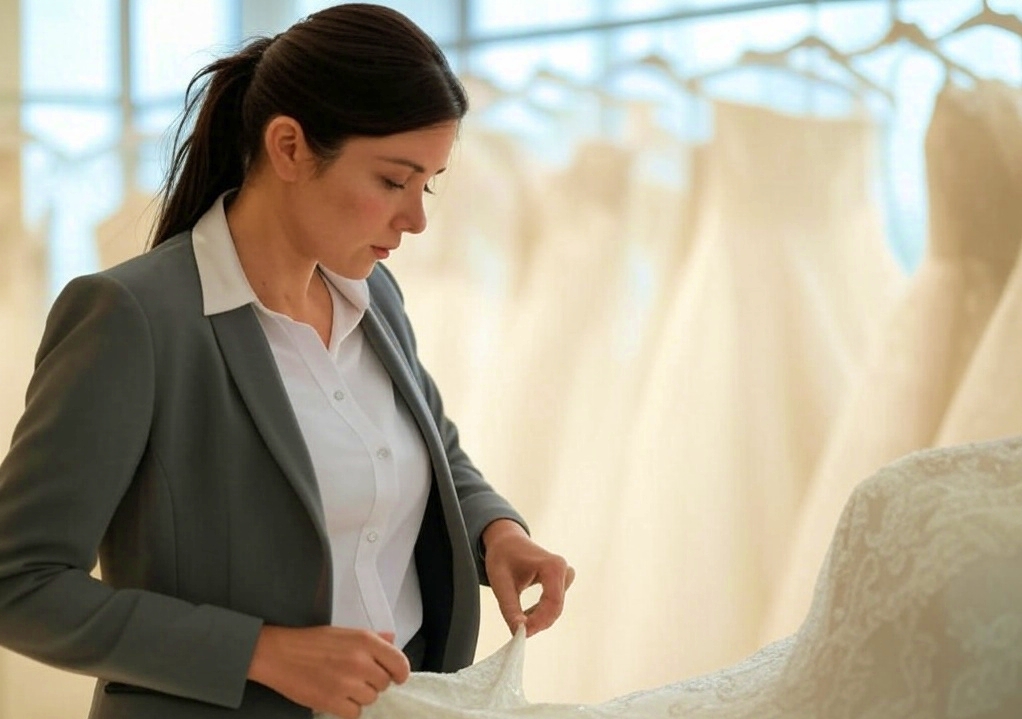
x,y
391,185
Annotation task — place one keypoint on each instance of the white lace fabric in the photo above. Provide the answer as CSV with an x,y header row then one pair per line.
x,y
917,615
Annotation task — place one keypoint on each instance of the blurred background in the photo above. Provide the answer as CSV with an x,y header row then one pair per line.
x,y
698,268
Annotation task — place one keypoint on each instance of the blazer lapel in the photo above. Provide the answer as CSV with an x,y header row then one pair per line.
x,y
251,364
380,336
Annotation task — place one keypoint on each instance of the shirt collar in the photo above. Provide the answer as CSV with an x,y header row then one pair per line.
x,y
222,279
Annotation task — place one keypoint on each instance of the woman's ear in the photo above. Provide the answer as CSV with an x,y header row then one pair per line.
x,y
288,154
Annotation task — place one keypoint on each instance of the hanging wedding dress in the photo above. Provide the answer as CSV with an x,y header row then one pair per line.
x,y
973,159
598,399
988,403
569,287
787,272
917,613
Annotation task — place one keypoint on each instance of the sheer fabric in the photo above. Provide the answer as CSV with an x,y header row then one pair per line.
x,y
787,271
917,613
598,399
568,291
973,157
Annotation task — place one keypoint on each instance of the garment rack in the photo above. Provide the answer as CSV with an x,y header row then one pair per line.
x,y
467,41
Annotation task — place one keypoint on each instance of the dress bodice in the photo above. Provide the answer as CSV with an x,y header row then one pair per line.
x,y
778,169
974,173
582,207
795,194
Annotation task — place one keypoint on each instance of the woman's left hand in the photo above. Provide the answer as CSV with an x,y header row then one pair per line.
x,y
513,564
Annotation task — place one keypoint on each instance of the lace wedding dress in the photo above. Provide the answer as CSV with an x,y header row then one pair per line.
x,y
973,158
787,272
917,614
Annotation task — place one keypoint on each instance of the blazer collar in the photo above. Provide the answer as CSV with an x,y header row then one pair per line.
x,y
251,364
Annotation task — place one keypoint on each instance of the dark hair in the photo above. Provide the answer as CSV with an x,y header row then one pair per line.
x,y
350,70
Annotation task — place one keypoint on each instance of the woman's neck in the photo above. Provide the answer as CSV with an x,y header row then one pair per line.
x,y
282,278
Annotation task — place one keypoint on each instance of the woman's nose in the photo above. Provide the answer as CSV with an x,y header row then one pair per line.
x,y
413,218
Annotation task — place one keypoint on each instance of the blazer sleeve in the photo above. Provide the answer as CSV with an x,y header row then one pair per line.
x,y
86,423
480,503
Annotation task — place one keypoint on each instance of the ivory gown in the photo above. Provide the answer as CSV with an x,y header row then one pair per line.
x,y
567,288
917,613
988,403
599,406
787,274
973,158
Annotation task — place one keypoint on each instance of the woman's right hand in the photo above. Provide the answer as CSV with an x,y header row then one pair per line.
x,y
328,669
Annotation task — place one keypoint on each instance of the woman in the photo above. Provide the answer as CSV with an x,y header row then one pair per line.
x,y
237,424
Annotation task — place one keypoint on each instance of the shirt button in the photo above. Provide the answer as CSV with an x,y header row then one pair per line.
x,y
383,453
338,395
372,537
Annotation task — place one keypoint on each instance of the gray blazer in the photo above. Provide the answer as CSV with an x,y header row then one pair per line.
x,y
162,442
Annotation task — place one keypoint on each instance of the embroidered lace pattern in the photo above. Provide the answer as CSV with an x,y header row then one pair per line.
x,y
917,614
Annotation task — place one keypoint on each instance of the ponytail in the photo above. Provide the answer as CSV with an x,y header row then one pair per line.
x,y
352,70
214,156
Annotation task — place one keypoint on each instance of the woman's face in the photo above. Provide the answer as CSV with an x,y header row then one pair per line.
x,y
352,212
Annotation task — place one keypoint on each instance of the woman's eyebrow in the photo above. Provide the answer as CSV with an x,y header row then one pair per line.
x,y
408,163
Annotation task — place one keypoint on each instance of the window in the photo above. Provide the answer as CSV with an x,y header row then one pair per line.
x,y
100,127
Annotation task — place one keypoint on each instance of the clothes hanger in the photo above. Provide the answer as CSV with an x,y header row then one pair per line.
x,y
777,61
544,75
486,97
660,66
987,17
906,32
657,66
813,42
696,85
782,60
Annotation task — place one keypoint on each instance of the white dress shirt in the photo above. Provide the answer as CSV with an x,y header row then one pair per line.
x,y
370,460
